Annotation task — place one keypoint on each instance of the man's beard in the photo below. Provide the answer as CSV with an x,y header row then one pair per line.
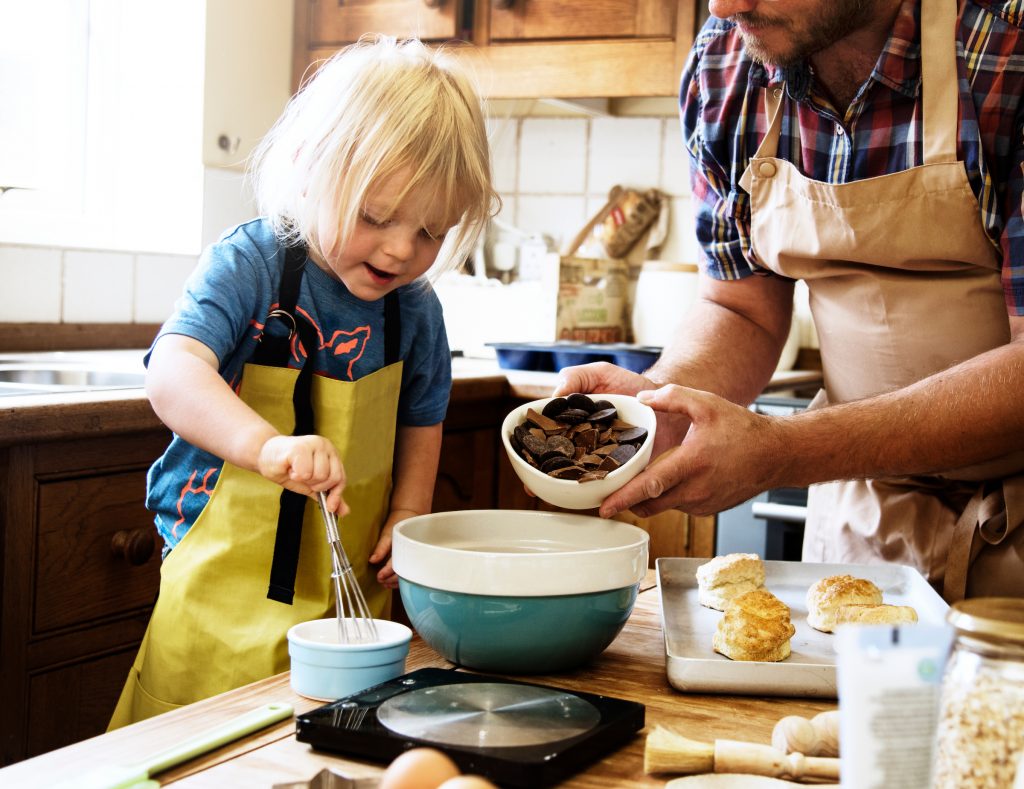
x,y
836,20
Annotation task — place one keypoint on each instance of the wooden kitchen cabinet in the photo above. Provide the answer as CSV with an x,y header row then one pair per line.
x,y
81,568
522,48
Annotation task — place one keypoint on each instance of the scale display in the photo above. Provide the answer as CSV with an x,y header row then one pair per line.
x,y
516,734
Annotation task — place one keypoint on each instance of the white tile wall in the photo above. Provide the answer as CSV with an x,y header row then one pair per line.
x,y
32,285
553,155
559,171
625,151
98,287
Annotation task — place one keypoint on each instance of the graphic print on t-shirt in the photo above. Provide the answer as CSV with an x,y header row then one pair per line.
x,y
343,344
205,488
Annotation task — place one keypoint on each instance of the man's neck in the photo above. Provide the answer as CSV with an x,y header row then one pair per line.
x,y
844,66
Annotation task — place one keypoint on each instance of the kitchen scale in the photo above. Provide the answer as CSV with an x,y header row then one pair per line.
x,y
516,734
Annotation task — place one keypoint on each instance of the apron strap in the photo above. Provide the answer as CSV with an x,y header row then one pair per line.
x,y
940,88
274,350
983,521
770,144
288,538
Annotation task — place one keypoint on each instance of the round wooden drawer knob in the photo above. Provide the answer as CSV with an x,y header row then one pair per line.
x,y
133,545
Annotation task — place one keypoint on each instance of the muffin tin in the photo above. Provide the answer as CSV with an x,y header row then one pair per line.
x,y
553,356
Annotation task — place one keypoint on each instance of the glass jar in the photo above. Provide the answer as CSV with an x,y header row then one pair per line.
x,y
981,712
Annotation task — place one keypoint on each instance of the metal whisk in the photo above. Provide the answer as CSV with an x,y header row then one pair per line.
x,y
355,623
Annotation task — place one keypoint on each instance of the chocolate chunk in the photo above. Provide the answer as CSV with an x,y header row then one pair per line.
x,y
623,453
534,445
555,407
604,415
586,439
573,416
635,435
593,476
581,402
555,462
561,445
541,421
568,472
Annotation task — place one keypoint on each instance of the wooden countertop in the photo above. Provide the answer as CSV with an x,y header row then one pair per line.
x,y
633,667
32,418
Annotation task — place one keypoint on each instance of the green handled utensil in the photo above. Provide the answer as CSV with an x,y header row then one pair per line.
x,y
137,775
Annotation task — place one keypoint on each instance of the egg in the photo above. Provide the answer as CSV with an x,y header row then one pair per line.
x,y
420,768
467,782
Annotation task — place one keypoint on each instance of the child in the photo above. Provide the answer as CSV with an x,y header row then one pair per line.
x,y
308,354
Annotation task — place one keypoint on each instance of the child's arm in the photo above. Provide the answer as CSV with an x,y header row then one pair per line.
x,y
191,398
417,451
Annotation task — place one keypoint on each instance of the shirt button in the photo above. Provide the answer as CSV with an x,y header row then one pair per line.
x,y
766,169
840,130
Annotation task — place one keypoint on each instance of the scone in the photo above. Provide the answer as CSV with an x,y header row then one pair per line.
x,y
756,626
883,614
727,577
826,597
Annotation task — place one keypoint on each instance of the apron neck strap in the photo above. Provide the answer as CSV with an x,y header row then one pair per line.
x,y
770,144
940,86
275,351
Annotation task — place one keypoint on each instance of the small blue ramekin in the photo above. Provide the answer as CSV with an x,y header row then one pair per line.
x,y
325,670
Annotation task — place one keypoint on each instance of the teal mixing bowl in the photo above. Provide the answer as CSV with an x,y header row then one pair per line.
x,y
518,592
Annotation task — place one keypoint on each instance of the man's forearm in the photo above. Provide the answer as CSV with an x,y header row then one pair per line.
x,y
719,350
964,415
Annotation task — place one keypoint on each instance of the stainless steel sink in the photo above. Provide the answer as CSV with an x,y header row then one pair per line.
x,y
76,377
70,371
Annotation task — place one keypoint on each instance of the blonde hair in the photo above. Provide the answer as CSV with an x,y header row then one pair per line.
x,y
377,108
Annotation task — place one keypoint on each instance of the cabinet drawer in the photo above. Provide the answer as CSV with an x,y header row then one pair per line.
x,y
91,549
577,19
71,703
337,22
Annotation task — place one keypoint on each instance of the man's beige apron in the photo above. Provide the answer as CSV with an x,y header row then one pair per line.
x,y
213,628
903,283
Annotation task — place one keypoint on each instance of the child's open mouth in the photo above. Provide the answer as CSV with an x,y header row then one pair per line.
x,y
378,276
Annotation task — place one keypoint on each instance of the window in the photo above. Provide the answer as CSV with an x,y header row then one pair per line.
x,y
101,124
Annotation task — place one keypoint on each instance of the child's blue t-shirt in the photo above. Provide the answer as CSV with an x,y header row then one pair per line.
x,y
225,305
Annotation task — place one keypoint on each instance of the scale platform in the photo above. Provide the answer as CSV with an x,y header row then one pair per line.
x,y
516,734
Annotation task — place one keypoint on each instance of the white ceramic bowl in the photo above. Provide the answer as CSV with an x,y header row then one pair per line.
x,y
571,494
325,670
518,591
519,553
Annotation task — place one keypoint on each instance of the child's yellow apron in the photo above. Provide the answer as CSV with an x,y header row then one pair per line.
x,y
903,283
215,625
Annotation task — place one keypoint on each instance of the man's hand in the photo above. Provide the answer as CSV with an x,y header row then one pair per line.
x,y
725,458
307,465
600,377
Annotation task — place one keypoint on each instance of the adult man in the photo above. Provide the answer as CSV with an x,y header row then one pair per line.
x,y
827,145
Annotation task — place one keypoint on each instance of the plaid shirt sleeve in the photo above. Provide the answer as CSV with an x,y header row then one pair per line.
x,y
721,208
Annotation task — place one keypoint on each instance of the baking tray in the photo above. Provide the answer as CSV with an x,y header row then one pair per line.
x,y
553,356
810,671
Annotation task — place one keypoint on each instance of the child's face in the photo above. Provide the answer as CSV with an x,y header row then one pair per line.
x,y
384,251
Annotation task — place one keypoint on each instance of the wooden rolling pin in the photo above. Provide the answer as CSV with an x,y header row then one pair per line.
x,y
817,736
668,752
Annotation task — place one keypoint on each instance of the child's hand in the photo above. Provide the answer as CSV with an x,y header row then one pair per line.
x,y
385,576
382,552
307,465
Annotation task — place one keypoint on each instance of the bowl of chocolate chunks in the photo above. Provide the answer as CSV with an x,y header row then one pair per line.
x,y
575,451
